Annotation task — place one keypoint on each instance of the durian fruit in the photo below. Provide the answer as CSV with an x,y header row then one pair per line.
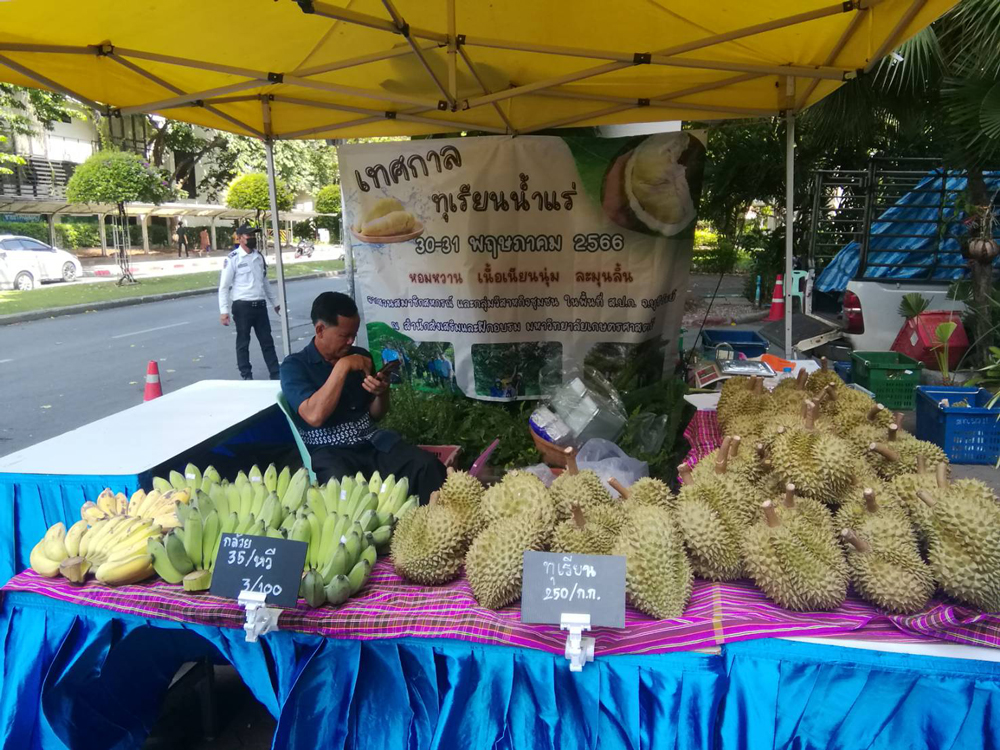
x,y
885,565
899,453
706,466
429,544
864,505
753,399
711,523
790,393
823,377
803,509
658,573
964,546
519,492
748,426
574,487
819,464
742,498
906,487
794,562
749,464
462,492
591,531
645,491
493,563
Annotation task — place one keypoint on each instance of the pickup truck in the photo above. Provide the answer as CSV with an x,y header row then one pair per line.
x,y
871,310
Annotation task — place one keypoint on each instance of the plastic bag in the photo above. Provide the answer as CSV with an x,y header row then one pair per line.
x,y
609,461
541,471
650,431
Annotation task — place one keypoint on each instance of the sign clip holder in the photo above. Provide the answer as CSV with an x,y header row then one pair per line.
x,y
579,649
261,619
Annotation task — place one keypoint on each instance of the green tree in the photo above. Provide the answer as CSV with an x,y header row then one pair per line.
x,y
249,192
328,202
946,81
118,178
21,108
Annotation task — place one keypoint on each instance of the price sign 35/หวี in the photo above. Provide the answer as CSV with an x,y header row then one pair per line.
x,y
555,584
269,566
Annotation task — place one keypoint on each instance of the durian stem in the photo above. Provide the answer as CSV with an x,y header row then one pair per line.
x,y
811,415
926,497
870,503
578,517
800,379
770,515
434,498
759,387
767,465
874,412
724,448
720,465
885,451
942,476
790,495
857,542
921,464
619,488
893,432
571,466
734,447
824,364
897,417
449,471
760,450
685,473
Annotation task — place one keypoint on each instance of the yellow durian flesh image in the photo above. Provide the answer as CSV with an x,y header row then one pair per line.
x,y
648,189
386,217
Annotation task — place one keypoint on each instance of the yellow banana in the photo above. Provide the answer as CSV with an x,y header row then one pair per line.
x,y
73,538
90,513
106,502
40,563
121,503
130,570
55,542
135,501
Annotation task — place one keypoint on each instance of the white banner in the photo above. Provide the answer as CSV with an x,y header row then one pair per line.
x,y
498,265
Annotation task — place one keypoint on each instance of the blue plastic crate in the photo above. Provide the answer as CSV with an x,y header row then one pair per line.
x,y
967,434
749,343
844,370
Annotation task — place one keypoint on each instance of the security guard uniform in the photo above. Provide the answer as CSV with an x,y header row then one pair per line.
x,y
244,282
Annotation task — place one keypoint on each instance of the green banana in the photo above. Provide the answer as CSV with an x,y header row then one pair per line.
x,y
406,507
183,510
331,496
327,540
359,478
274,533
316,503
370,555
241,479
259,496
315,539
257,529
177,480
229,524
256,476
192,475
233,495
271,478
287,522
198,580
162,485
343,524
383,518
177,554
207,483
353,546
244,525
210,540
204,503
338,590
359,575
161,562
311,589
192,539
295,495
336,565
246,500
283,479
344,498
300,533
212,473
381,537
221,499
360,491
375,483
369,520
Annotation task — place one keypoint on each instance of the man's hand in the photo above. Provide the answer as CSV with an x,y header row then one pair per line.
x,y
375,386
277,308
353,362
224,319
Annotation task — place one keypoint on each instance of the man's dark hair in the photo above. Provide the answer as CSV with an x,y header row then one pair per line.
x,y
329,306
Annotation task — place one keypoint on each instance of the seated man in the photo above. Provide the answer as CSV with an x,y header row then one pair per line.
x,y
336,401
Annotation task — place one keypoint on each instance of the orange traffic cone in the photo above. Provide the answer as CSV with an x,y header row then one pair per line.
x,y
153,389
778,300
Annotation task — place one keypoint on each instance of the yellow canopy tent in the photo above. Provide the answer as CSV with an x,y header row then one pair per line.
x,y
318,69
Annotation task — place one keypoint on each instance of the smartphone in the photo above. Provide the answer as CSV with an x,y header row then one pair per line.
x,y
387,369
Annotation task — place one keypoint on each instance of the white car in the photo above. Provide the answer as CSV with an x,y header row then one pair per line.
x,y
25,263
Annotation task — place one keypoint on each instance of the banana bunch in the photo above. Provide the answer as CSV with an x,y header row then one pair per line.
x,y
187,554
113,548
161,508
192,479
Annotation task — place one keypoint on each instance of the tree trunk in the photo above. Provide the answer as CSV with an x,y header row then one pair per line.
x,y
981,273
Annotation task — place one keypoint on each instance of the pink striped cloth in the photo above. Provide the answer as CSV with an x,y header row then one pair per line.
x,y
390,608
703,435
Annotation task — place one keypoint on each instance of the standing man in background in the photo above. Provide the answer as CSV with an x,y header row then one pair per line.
x,y
244,282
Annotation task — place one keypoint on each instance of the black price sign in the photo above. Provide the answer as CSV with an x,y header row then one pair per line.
x,y
272,567
555,584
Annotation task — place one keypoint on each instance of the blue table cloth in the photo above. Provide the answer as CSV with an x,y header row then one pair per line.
x,y
79,677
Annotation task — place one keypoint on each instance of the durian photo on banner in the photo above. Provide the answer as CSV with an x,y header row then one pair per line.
x,y
494,265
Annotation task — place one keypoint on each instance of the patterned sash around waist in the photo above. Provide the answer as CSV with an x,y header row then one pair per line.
x,y
346,433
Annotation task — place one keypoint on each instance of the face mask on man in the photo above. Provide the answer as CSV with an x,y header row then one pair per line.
x,y
251,243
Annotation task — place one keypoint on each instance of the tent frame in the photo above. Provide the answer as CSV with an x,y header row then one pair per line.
x,y
420,41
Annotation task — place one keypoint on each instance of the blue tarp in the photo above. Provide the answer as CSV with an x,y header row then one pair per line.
x,y
915,213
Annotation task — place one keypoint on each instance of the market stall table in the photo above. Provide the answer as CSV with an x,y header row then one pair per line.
x,y
48,482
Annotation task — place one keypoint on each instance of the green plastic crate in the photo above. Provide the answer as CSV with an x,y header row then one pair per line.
x,y
891,376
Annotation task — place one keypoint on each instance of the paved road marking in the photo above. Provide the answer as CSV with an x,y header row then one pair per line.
x,y
150,330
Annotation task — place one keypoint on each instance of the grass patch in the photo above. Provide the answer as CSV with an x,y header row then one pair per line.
x,y
52,297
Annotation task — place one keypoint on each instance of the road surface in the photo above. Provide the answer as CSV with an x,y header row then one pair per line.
x,y
61,373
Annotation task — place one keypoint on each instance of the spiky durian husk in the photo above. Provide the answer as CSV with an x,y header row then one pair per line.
x,y
964,548
820,465
741,403
428,545
461,490
854,511
711,526
797,564
908,448
591,531
650,491
891,574
519,492
821,379
494,561
658,573
583,488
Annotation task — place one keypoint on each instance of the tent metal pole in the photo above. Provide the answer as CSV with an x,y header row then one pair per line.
x,y
273,192
180,101
47,82
486,90
789,225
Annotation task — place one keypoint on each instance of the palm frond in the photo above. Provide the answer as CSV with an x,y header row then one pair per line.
x,y
973,110
971,34
915,65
